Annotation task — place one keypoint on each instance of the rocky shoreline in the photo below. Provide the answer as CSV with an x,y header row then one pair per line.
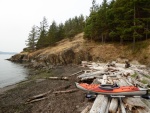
x,y
13,98
59,61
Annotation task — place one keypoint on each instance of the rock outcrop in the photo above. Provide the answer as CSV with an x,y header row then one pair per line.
x,y
76,50
66,52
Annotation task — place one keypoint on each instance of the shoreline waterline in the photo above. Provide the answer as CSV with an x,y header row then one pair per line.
x,y
11,73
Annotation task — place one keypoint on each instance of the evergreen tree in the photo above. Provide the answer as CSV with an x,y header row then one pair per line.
x,y
61,32
32,39
94,7
74,26
42,34
52,33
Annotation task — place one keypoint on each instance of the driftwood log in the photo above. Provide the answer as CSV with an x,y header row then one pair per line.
x,y
39,97
135,82
86,110
108,104
58,78
101,102
43,96
76,73
123,77
113,105
123,110
132,103
66,91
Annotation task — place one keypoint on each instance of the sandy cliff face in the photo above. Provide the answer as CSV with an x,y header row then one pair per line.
x,y
77,50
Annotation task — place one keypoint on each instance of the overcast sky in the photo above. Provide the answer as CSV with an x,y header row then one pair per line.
x,y
18,16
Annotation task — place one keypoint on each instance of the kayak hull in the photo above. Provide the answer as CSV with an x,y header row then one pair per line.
x,y
121,91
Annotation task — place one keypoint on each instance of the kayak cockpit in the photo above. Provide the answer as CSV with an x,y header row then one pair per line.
x,y
108,86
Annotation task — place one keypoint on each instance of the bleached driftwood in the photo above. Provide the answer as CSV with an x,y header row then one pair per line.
x,y
118,110
113,105
90,74
147,102
112,69
142,77
84,63
100,104
43,96
110,80
122,106
66,91
136,103
58,78
86,110
108,104
38,97
77,73
135,82
133,102
90,78
97,81
35,100
122,81
104,81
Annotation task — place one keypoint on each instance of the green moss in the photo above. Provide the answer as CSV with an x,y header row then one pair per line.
x,y
40,75
144,81
134,75
148,76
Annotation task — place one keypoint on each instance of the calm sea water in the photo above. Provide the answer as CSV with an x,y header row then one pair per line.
x,y
10,73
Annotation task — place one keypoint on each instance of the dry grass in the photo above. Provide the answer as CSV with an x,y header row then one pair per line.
x,y
104,52
61,46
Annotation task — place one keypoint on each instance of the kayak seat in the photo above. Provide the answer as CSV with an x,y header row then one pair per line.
x,y
108,86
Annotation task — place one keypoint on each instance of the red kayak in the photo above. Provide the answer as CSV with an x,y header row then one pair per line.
x,y
112,90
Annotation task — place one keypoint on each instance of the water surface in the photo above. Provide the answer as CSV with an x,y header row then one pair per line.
x,y
10,73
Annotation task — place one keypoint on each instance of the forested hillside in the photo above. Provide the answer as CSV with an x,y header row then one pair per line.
x,y
119,21
44,35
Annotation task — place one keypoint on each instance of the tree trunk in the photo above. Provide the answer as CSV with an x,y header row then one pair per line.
x,y
134,29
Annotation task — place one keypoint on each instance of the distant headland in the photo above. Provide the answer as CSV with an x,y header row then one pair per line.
x,y
7,52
